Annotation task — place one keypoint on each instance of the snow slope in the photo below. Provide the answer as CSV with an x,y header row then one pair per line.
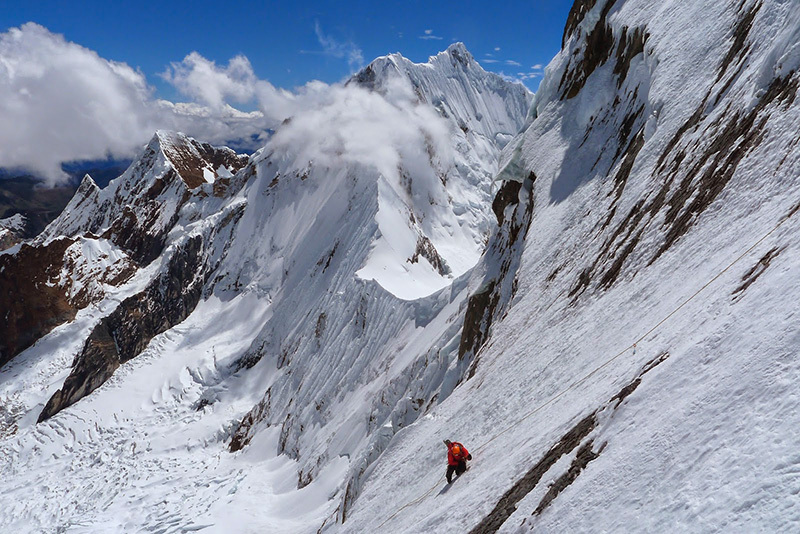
x,y
11,230
643,376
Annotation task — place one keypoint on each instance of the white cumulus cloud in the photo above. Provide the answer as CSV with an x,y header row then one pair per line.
x,y
205,82
60,101
429,35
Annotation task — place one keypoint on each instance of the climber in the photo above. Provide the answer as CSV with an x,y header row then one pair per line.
x,y
457,456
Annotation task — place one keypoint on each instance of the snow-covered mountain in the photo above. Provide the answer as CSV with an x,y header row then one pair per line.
x,y
281,343
11,230
295,281
486,108
104,237
23,195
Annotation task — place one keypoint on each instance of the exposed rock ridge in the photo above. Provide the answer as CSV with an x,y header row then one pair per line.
x,y
123,334
513,206
198,163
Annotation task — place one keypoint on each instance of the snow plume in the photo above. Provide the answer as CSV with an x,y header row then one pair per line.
x,y
353,125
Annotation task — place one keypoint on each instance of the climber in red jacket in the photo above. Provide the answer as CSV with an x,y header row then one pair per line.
x,y
457,456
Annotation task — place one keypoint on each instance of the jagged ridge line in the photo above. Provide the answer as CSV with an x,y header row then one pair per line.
x,y
610,360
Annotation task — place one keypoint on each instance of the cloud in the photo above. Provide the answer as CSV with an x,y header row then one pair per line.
x,y
536,71
342,50
429,35
205,82
60,101
496,48
381,130
520,77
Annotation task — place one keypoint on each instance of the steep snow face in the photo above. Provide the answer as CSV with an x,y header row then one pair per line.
x,y
447,223
389,159
339,238
643,373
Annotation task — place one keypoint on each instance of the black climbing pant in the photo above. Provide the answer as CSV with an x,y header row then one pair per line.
x,y
457,469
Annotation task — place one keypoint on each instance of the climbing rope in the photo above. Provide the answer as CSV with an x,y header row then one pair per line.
x,y
412,503
606,363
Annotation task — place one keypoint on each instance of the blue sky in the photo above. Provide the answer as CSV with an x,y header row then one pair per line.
x,y
92,80
290,43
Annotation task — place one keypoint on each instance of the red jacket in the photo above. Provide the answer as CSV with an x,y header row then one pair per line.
x,y
455,459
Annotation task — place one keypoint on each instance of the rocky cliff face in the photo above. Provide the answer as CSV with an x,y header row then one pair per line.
x,y
43,286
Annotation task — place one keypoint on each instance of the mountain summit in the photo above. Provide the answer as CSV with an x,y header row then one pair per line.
x,y
483,104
